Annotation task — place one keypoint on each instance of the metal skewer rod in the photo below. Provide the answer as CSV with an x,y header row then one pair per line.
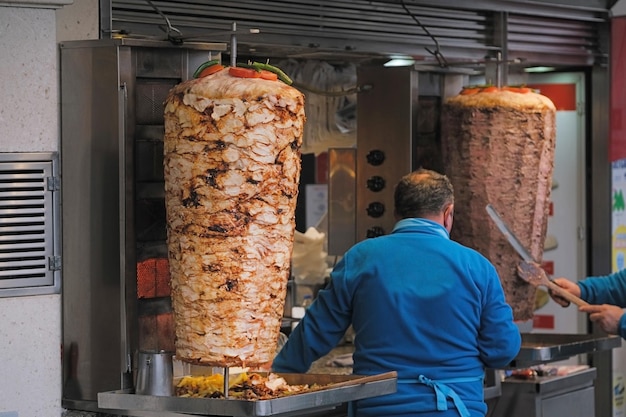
x,y
499,70
226,382
233,46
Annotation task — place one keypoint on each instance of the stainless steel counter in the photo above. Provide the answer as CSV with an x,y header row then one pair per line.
x,y
536,348
550,396
332,391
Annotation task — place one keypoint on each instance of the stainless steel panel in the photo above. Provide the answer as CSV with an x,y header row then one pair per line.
x,y
341,200
492,384
385,136
551,396
599,209
90,151
541,348
290,405
101,106
578,403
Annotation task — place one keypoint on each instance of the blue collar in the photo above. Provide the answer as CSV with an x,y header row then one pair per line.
x,y
423,225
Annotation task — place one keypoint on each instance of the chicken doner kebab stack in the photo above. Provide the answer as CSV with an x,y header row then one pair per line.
x,y
498,148
232,168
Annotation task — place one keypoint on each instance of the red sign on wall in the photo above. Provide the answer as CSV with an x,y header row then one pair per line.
x,y
562,95
548,266
543,321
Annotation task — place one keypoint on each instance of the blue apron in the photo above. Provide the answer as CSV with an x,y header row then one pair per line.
x,y
442,391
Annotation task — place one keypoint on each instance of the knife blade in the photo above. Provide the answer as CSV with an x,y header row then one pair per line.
x,y
530,271
506,231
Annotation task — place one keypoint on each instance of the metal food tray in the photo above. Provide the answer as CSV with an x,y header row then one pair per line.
x,y
538,348
349,388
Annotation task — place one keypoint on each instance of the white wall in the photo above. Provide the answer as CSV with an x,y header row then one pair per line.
x,y
30,327
78,21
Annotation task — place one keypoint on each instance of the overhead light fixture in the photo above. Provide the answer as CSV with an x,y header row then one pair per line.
x,y
539,69
399,62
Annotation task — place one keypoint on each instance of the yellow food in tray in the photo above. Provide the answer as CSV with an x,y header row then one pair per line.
x,y
207,385
245,386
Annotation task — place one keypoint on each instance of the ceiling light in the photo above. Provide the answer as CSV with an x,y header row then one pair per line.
x,y
399,62
539,69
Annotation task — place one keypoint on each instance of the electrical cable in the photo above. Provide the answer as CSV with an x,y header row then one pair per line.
x,y
437,52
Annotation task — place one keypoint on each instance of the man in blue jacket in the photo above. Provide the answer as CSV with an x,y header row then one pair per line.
x,y
607,295
420,304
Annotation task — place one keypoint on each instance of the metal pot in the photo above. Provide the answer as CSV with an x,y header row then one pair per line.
x,y
155,373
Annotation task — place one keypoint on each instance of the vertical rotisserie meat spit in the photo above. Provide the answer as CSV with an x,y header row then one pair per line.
x,y
232,167
498,148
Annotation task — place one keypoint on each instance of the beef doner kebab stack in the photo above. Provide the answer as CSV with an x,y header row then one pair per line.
x,y
498,148
232,168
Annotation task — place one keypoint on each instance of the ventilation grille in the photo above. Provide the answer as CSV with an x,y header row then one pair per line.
x,y
29,263
550,30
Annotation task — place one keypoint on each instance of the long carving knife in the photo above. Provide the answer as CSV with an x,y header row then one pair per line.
x,y
530,271
513,240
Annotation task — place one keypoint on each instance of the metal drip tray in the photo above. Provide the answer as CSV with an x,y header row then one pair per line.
x,y
540,348
345,388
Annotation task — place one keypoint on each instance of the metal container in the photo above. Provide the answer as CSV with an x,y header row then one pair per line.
x,y
155,373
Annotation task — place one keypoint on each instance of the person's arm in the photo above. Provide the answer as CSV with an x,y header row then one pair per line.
x,y
609,317
607,289
321,328
607,295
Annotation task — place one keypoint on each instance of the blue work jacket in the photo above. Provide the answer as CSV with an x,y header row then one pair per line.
x,y
420,304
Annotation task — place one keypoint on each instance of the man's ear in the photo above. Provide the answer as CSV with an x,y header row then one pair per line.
x,y
448,217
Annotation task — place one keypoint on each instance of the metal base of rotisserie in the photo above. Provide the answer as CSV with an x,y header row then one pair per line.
x,y
326,401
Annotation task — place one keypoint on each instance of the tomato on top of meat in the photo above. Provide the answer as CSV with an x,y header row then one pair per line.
x,y
475,89
210,70
469,90
269,75
259,70
252,73
242,72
